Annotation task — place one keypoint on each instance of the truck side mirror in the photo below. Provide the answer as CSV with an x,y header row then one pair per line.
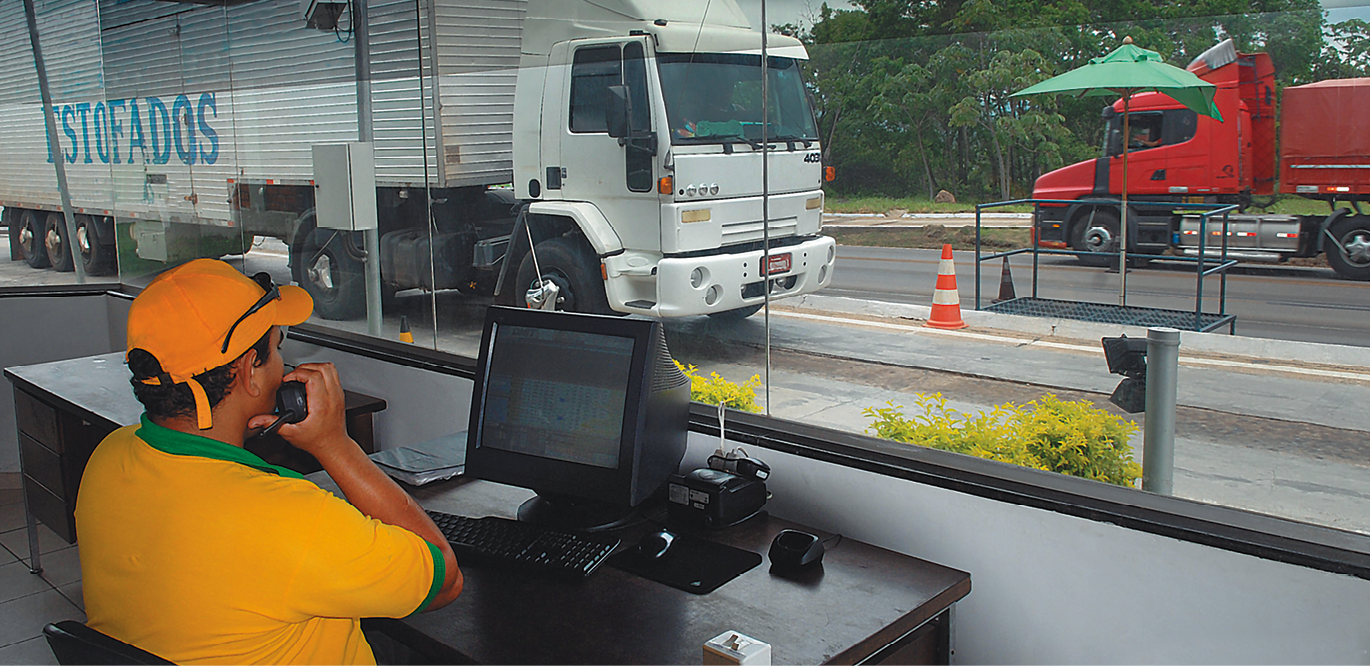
x,y
616,112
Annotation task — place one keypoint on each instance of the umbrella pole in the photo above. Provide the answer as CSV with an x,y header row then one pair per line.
x,y
1123,227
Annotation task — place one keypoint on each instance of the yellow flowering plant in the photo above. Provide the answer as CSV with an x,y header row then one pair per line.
x,y
1069,437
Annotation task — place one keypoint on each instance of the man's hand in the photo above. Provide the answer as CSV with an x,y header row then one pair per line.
x,y
323,434
325,428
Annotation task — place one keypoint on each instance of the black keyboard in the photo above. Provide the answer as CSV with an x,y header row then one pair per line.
x,y
524,544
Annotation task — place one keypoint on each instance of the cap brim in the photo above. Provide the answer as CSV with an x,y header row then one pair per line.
x,y
294,307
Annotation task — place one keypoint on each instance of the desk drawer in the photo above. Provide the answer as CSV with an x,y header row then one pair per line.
x,y
42,465
52,510
37,419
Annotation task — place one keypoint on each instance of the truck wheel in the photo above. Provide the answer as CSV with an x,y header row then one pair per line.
x,y
739,314
571,267
1097,235
55,241
331,275
97,258
1350,258
27,234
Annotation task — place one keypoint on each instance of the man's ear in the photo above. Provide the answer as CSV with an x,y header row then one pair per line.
x,y
248,375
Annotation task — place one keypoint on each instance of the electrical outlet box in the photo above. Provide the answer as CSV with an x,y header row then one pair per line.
x,y
345,186
731,647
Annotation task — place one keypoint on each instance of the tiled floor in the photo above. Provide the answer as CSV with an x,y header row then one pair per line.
x,y
27,602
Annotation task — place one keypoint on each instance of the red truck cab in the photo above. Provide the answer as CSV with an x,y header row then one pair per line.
x,y
1174,155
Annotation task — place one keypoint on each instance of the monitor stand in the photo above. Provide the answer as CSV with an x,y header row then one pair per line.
x,y
569,513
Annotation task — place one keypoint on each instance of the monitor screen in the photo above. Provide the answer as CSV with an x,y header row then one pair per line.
x,y
557,394
589,411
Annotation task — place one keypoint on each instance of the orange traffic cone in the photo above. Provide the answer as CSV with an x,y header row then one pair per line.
x,y
405,334
946,301
1006,292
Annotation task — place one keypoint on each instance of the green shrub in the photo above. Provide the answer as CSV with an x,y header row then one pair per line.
x,y
1074,438
714,389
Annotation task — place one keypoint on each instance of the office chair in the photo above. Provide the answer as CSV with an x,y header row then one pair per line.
x,y
75,643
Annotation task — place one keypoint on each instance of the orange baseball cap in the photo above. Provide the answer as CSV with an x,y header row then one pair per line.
x,y
204,314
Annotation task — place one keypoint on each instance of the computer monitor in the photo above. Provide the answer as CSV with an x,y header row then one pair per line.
x,y
589,411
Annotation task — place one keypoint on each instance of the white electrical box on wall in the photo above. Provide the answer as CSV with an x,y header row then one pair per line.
x,y
344,186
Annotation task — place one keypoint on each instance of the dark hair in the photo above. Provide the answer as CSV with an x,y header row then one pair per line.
x,y
173,400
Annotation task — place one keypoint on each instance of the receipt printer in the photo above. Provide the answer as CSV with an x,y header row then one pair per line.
x,y
714,498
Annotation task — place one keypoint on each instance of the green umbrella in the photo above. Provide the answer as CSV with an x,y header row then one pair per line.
x,y
1126,71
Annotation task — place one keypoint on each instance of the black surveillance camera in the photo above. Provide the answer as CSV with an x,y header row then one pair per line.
x,y
1127,357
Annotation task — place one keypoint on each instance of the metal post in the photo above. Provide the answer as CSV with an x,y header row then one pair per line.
x,y
1158,448
54,145
1199,274
1036,253
361,39
977,256
1222,279
1123,225
766,196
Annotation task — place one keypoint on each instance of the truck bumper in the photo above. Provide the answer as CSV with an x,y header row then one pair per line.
x,y
716,283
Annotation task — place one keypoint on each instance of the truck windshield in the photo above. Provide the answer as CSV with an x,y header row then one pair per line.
x,y
716,98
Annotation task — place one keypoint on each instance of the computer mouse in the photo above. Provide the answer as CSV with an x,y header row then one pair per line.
x,y
655,545
792,550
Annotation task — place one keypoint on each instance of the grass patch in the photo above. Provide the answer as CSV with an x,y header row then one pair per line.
x,y
932,236
882,205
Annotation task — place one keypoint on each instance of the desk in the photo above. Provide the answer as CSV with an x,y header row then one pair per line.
x,y
865,602
64,408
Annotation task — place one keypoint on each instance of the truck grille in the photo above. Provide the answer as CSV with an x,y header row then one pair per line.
x,y
743,232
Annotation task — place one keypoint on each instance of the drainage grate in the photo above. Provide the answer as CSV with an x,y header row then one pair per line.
x,y
1112,314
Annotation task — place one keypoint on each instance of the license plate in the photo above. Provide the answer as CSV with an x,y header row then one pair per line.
x,y
778,263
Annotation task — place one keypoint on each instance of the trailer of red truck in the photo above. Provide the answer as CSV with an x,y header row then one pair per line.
x,y
1176,156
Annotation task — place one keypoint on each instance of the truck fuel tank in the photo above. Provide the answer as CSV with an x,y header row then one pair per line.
x,y
1274,233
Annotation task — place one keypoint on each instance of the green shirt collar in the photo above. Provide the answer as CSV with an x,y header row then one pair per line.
x,y
180,443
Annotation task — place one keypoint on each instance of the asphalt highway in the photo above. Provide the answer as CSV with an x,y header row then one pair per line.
x,y
1288,303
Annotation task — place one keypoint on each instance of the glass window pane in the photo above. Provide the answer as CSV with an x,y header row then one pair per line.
x,y
594,70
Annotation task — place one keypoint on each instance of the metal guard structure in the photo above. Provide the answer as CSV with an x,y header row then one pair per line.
x,y
1196,320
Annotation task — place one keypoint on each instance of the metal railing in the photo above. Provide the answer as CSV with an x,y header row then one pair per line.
x,y
1201,321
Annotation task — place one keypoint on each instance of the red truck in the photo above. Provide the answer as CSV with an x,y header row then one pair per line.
x,y
1176,155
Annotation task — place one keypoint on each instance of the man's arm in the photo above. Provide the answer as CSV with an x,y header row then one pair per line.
x,y
323,434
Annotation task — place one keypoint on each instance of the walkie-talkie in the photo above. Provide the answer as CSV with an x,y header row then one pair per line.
x,y
292,406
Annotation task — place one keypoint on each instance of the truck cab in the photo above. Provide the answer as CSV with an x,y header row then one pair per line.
x,y
1174,155
640,151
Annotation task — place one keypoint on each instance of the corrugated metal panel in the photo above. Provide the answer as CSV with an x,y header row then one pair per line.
x,y
477,44
293,87
24,168
117,13
254,90
398,120
70,35
143,66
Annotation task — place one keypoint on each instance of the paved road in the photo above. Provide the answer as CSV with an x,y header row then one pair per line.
x,y
1305,304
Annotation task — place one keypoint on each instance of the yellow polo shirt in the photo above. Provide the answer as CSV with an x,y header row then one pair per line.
x,y
201,552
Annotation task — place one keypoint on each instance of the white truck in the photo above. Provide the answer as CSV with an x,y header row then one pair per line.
x,y
630,132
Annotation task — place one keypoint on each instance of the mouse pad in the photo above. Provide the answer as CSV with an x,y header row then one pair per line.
x,y
694,564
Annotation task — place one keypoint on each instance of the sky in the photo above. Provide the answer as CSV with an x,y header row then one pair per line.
x,y
805,11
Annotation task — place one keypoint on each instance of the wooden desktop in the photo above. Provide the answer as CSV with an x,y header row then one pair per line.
x,y
863,605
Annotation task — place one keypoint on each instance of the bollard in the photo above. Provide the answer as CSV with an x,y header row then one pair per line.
x,y
1158,448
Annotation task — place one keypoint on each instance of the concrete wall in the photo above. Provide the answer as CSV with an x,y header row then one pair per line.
x,y
1049,588
39,329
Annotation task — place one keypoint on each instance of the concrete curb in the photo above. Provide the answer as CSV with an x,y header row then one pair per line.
x,y
1263,349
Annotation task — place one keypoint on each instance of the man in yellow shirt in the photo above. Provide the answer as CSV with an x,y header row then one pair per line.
x,y
199,551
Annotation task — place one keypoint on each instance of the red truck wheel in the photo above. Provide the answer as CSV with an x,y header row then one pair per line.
x,y
1095,232
1350,257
